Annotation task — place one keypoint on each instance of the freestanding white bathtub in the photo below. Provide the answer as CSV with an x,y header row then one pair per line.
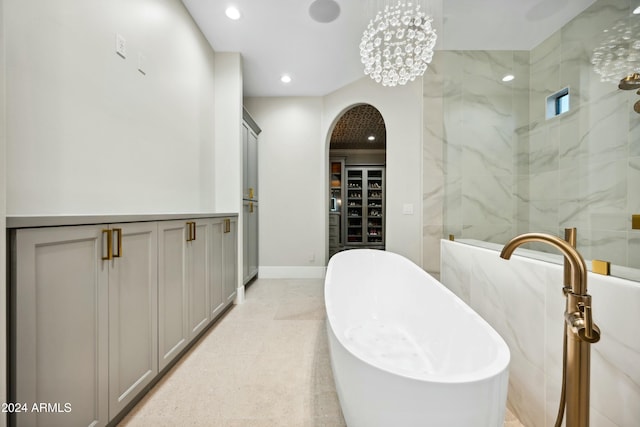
x,y
405,351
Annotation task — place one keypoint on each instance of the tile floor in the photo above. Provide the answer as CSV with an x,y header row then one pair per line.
x,y
264,363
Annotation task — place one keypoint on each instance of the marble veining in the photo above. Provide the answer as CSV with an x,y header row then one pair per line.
x,y
511,294
580,169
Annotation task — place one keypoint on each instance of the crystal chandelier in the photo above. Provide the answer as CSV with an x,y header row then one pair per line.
x,y
618,55
397,45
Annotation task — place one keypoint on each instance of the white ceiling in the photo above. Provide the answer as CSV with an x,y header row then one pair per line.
x,y
278,36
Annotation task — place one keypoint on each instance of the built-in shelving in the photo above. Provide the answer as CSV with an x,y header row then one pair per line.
x,y
365,206
336,188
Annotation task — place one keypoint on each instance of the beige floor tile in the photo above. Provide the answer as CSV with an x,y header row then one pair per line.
x,y
293,336
264,363
301,308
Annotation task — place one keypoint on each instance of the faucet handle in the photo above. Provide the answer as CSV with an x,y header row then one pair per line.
x,y
588,321
589,332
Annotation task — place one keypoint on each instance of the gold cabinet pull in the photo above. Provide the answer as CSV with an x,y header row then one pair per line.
x,y
250,207
251,192
188,224
227,225
191,231
109,256
118,232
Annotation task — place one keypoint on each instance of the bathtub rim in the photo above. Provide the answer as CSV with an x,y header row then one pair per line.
x,y
490,370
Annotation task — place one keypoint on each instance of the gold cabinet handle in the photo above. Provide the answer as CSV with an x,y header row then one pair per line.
x,y
109,256
191,231
251,192
227,225
118,232
189,238
250,207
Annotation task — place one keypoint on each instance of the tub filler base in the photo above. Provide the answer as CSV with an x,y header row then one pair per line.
x,y
407,352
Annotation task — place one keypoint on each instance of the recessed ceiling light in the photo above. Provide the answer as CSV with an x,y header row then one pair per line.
x,y
508,78
636,11
286,78
232,13
371,138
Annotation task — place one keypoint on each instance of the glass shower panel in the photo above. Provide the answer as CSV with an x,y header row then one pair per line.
x,y
508,169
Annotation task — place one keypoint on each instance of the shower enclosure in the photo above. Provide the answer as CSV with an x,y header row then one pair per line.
x,y
552,148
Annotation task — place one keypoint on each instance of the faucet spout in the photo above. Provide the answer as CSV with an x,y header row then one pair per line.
x,y
578,279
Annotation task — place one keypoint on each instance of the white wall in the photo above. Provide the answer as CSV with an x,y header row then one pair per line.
x,y
88,133
228,133
401,109
3,208
293,158
292,206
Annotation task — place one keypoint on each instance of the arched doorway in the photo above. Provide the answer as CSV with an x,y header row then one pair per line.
x,y
357,158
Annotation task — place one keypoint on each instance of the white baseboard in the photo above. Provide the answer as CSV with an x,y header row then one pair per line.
x,y
293,272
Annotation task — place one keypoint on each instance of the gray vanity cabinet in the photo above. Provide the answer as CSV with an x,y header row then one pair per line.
x,y
85,317
61,320
97,311
133,315
183,285
191,281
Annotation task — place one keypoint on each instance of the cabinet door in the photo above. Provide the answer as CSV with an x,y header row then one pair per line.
x,y
245,162
252,165
253,239
217,298
197,278
133,305
375,209
173,330
356,202
230,260
246,233
61,301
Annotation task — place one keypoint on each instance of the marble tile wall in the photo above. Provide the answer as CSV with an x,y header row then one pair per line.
x,y
581,163
494,166
522,300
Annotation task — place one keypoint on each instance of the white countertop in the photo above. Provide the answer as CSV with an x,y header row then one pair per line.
x,y
62,220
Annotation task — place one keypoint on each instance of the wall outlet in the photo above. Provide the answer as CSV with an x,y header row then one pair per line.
x,y
121,46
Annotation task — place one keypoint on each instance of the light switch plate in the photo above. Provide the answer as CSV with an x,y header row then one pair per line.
x,y
121,46
407,209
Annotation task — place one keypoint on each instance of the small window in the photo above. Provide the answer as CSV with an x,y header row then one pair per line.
x,y
558,103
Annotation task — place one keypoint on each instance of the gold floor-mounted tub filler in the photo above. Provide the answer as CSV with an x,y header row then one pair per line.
x,y
580,331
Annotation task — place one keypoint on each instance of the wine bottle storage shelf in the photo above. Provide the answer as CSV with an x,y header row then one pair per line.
x,y
364,217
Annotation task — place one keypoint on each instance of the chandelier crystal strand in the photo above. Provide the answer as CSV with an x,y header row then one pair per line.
x,y
397,45
618,54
